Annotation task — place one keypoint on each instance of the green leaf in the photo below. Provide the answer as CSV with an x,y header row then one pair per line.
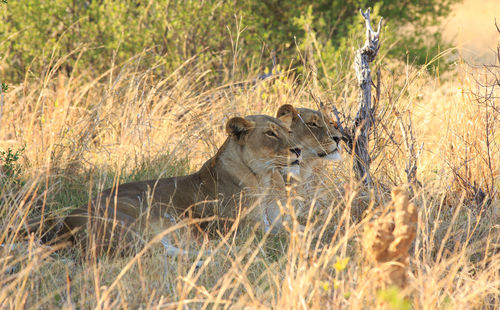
x,y
393,297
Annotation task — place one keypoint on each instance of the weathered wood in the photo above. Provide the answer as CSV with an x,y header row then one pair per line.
x,y
364,117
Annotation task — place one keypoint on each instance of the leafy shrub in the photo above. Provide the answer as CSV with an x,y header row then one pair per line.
x,y
34,32
93,34
9,165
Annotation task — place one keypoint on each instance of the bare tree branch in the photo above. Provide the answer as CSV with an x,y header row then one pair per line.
x,y
364,118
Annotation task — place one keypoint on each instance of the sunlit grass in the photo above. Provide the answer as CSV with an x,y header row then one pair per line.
x,y
81,135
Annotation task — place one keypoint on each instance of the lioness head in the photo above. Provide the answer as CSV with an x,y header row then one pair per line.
x,y
263,142
317,134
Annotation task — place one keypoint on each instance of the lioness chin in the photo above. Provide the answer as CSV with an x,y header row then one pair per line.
x,y
237,179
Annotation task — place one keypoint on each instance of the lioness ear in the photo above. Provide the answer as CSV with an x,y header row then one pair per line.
x,y
287,109
238,128
287,113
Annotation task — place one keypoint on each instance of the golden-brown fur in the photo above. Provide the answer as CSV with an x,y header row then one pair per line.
x,y
239,175
319,138
317,135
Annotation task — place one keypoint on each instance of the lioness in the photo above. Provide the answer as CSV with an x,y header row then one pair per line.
x,y
319,138
317,134
239,175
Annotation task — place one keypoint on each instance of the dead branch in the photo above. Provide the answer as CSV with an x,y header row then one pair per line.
x,y
356,137
364,117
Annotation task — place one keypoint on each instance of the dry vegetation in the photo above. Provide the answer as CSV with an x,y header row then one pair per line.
x,y
81,135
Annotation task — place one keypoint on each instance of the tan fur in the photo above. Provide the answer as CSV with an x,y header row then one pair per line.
x,y
317,134
319,138
239,175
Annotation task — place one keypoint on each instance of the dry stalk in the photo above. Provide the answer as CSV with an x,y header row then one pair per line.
x,y
1,102
386,241
356,137
413,151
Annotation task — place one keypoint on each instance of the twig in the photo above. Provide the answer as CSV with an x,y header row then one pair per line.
x,y
413,152
345,135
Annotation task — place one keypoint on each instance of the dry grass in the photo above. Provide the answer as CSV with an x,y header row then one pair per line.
x,y
81,135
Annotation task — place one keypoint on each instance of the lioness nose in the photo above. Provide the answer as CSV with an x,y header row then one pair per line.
x,y
296,151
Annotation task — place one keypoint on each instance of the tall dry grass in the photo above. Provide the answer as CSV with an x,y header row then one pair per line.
x,y
82,134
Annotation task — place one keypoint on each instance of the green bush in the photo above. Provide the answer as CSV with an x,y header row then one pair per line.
x,y
36,31
90,35
10,168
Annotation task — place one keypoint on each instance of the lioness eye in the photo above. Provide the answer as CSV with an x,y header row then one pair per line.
x,y
312,124
271,134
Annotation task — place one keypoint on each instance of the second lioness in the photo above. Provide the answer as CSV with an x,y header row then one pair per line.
x,y
319,139
317,135
237,178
